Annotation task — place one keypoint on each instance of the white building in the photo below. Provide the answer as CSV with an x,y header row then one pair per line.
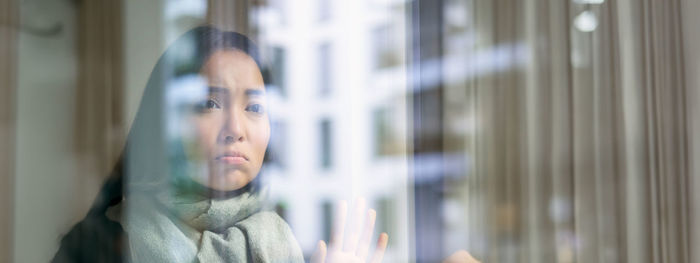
x,y
338,113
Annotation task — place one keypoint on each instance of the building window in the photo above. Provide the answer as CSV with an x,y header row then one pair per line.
x,y
386,141
385,54
277,149
326,219
277,71
324,69
279,8
267,13
324,8
326,144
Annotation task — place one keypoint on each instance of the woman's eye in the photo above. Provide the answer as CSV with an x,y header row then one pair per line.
x,y
257,108
208,105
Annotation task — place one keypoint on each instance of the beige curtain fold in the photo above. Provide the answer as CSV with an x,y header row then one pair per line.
x,y
580,153
691,40
9,38
9,21
99,131
230,15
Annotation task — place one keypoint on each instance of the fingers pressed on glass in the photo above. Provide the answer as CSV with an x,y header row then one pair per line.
x,y
381,247
366,239
356,226
319,255
337,236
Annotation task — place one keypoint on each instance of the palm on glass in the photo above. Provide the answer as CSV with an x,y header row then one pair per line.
x,y
356,247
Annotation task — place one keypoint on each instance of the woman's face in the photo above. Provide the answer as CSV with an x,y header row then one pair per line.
x,y
231,126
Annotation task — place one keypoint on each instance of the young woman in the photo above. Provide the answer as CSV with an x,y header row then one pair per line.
x,y
187,187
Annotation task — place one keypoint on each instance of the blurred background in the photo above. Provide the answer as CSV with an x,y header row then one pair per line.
x,y
521,131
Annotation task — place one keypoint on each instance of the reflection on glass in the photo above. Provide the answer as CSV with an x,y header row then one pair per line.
x,y
520,131
385,53
277,151
326,144
325,69
277,69
326,219
386,139
324,9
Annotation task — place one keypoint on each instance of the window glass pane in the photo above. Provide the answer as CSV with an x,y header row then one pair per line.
x,y
519,131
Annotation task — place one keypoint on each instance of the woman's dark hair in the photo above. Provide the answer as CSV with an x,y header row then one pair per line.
x,y
192,49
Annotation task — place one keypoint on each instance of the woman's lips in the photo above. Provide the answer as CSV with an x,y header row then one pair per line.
x,y
233,158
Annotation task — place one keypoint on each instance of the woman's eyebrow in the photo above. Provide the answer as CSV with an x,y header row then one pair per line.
x,y
248,92
254,92
213,89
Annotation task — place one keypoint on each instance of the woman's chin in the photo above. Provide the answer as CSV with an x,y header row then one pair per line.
x,y
229,182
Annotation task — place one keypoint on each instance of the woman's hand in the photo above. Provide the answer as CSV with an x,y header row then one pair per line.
x,y
357,246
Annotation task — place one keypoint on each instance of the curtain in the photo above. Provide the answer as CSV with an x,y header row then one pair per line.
x,y
9,24
100,125
574,118
230,15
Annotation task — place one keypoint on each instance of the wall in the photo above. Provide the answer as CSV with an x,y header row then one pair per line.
x,y
143,44
47,186
51,193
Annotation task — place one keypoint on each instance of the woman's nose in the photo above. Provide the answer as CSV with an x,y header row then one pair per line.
x,y
232,129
